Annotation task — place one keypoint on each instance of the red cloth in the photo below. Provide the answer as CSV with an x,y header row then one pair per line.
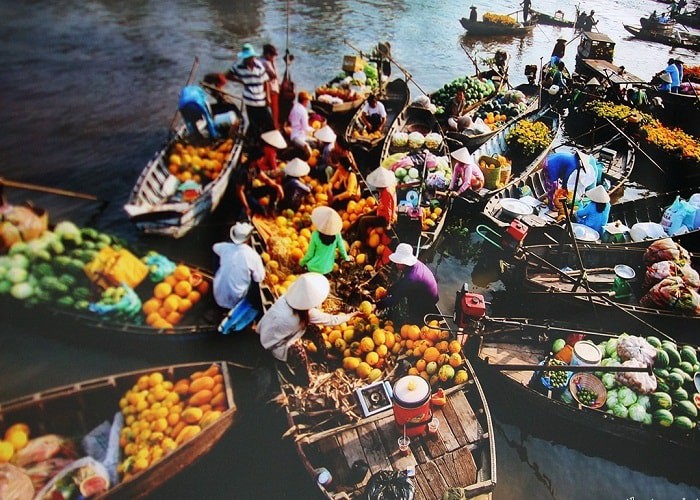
x,y
386,206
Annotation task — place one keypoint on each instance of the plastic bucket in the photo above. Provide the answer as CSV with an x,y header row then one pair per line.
x,y
411,404
586,353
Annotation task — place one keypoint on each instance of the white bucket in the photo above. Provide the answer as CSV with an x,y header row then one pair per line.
x,y
586,353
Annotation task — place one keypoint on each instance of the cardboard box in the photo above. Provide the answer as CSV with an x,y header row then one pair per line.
x,y
353,63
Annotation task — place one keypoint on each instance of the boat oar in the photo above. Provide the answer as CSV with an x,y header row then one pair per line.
x,y
472,59
217,90
571,368
193,69
46,189
635,145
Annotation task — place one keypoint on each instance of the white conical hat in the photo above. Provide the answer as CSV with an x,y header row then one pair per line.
x,y
462,155
403,255
593,82
325,134
274,138
326,220
381,177
665,77
598,194
308,291
296,167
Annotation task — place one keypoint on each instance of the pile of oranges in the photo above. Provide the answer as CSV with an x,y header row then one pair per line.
x,y
200,164
16,438
173,297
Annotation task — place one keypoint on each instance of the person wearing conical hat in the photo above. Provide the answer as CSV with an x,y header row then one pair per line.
x,y
416,285
289,318
466,174
325,240
294,188
271,142
595,213
558,169
239,267
386,212
256,189
326,138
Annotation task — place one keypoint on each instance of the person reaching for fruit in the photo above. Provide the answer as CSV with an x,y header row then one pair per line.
x,y
327,139
256,191
289,318
385,181
325,239
294,189
193,106
466,174
343,185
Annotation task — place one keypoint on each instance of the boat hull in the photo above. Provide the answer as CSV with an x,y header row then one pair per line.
x,y
478,28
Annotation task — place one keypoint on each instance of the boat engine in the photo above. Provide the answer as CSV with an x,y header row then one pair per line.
x,y
468,307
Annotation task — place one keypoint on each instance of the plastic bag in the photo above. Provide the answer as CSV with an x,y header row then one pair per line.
x,y
647,231
695,223
390,485
639,382
15,483
673,294
674,215
666,249
660,270
637,348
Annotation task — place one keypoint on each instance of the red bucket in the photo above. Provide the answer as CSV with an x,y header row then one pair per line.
x,y
412,404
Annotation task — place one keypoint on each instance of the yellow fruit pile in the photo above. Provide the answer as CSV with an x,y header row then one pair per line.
x,y
173,297
495,120
16,438
200,164
367,136
430,217
160,415
490,17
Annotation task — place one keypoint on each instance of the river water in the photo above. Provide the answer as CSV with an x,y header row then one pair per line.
x,y
87,93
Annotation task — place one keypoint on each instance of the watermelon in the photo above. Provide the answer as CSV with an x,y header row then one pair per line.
x,y
679,394
684,375
654,341
661,372
673,356
686,367
663,417
662,359
689,354
687,408
662,385
675,380
93,485
669,344
661,400
683,422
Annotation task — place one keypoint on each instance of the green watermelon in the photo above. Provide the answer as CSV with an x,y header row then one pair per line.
x,y
687,408
662,385
673,356
662,359
661,400
683,422
686,367
663,417
675,380
684,375
654,341
670,344
661,372
689,354
679,394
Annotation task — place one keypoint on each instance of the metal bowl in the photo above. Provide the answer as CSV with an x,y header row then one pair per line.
x,y
513,207
584,233
624,272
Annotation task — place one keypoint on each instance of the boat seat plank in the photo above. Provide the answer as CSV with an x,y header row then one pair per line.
x,y
351,446
431,479
389,434
374,451
330,449
467,418
445,434
435,446
453,420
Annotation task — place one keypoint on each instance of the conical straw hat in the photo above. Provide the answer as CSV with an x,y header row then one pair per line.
x,y
381,177
326,220
308,291
462,155
325,134
274,138
296,167
598,194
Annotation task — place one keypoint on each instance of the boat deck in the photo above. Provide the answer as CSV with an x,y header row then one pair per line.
x,y
502,353
440,462
607,69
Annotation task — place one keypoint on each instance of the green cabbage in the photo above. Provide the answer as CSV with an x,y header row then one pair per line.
x,y
21,291
611,400
619,410
611,347
644,401
608,380
637,412
647,420
68,231
17,275
626,396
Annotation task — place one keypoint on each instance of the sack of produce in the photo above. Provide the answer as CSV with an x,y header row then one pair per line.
x,y
416,140
15,483
21,223
672,220
639,382
647,231
113,267
637,348
85,477
666,249
390,484
667,268
672,293
433,140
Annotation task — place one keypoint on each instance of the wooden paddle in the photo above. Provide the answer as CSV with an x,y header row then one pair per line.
x,y
46,189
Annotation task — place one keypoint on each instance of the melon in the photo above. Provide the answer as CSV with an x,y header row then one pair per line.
x,y
93,485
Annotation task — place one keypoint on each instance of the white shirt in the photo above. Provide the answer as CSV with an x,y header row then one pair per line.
x,y
280,327
379,109
238,265
299,120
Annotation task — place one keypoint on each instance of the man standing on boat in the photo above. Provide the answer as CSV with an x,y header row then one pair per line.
x,y
589,22
193,106
239,266
526,9
299,134
251,73
672,71
473,16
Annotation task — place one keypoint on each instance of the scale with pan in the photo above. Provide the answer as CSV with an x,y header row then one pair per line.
x,y
374,398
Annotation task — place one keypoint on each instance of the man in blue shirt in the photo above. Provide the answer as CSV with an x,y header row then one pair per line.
x,y
672,71
193,106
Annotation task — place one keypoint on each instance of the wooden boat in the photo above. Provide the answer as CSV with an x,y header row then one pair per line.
x,y
154,204
482,28
594,58
544,273
76,409
417,119
498,345
521,167
556,20
471,142
682,110
617,156
691,19
677,39
395,100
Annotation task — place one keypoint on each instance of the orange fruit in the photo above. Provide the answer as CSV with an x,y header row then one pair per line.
x,y
372,358
170,280
203,287
454,346
414,332
367,344
296,254
151,305
373,240
185,305
183,288
182,272
420,365
174,317
455,359
194,296
431,354
162,290
171,303
152,317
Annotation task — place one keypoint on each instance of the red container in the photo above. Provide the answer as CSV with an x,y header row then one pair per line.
x,y
517,231
472,305
412,405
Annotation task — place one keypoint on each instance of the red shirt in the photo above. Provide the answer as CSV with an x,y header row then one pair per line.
x,y
386,207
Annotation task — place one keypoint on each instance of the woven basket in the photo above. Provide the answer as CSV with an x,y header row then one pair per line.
x,y
590,382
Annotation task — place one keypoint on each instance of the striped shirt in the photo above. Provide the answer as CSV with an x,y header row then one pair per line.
x,y
253,83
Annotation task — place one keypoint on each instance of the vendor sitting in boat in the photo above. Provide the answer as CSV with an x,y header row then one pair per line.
x,y
466,174
193,106
561,168
327,139
373,115
385,181
265,157
416,284
594,214
254,198
325,240
456,108
343,185
294,188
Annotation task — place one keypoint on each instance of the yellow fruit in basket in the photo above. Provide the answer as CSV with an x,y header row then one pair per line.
x,y
361,259
194,296
431,354
182,272
454,346
183,288
340,344
15,427
348,335
171,303
379,337
17,438
390,339
151,305
162,290
365,307
185,305
374,374
6,451
351,363
363,370
461,377
446,373
372,358
382,350
455,359
367,344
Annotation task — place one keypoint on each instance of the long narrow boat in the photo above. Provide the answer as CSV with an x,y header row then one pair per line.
x,y
479,28
552,272
556,20
617,157
75,410
520,168
471,142
344,427
499,345
395,100
691,19
677,39
421,120
681,110
156,204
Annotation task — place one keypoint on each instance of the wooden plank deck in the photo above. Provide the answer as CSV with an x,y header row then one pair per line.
x,y
441,461
513,354
608,70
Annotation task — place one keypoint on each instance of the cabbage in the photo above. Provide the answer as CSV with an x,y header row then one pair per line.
x,y
413,173
20,260
415,140
619,410
400,173
611,401
611,347
647,420
626,396
21,291
17,275
644,401
66,230
636,412
399,139
608,380
433,140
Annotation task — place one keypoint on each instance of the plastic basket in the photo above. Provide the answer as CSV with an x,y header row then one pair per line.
x,y
590,382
